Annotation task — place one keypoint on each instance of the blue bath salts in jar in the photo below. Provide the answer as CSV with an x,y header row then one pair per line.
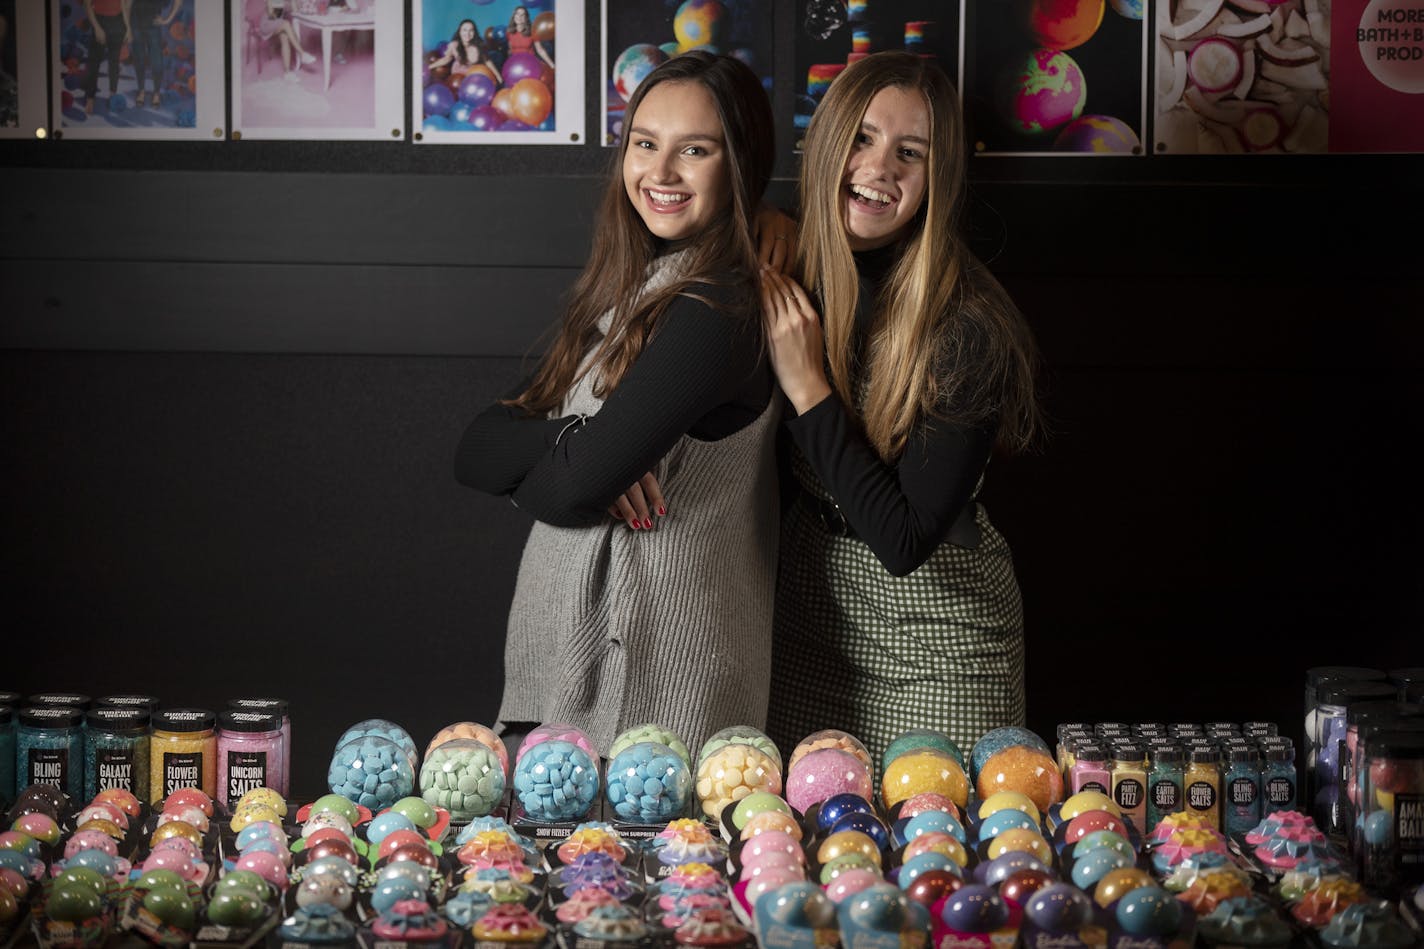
x,y
49,748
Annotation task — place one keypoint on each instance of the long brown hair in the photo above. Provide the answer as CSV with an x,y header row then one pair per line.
x,y
623,247
945,339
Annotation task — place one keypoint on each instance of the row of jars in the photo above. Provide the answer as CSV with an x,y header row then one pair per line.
x,y
1230,774
83,746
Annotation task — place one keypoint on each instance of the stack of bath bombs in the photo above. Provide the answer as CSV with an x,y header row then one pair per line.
x,y
328,887
374,764
733,763
464,771
174,861
957,849
404,847
597,891
68,866
556,777
256,863
648,781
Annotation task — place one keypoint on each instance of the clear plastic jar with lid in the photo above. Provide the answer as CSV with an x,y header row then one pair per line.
x,y
281,709
149,703
73,699
1393,812
1242,789
184,753
49,748
249,754
1279,777
116,750
1165,793
1090,771
1202,784
1129,782
1315,677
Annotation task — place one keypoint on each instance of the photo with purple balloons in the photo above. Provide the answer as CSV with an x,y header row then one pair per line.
x,y
488,65
640,35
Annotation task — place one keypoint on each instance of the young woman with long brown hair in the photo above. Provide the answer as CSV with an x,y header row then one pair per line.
x,y
897,604
654,400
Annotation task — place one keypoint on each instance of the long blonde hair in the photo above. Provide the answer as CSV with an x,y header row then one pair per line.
x,y
945,339
623,247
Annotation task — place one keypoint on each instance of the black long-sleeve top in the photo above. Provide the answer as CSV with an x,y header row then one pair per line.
x,y
904,511
703,373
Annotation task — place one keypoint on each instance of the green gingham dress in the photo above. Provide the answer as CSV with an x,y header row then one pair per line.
x,y
873,654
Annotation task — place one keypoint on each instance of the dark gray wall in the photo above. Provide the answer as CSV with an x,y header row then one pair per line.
x,y
232,376
230,401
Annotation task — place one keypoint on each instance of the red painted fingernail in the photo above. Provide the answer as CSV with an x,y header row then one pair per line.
x,y
648,523
661,510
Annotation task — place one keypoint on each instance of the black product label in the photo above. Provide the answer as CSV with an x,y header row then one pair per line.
x,y
245,770
1243,792
1166,795
1128,794
1280,791
48,766
1409,830
182,769
1093,786
1201,795
114,769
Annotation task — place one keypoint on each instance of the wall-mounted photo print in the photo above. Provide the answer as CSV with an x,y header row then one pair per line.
x,y
830,34
1248,77
638,35
22,70
1055,77
318,69
492,72
1376,73
138,69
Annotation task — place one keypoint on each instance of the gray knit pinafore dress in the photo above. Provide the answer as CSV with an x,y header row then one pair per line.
x,y
612,628
873,654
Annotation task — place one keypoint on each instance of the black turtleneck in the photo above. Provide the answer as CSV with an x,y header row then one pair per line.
x,y
704,373
904,511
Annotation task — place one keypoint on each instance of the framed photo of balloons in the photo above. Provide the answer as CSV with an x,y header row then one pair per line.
x,y
22,70
831,34
317,69
165,80
640,34
1055,77
493,72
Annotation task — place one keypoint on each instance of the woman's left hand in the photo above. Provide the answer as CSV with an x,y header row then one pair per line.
x,y
793,332
775,234
636,506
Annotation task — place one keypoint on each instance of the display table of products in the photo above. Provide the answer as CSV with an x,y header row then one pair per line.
x,y
1122,836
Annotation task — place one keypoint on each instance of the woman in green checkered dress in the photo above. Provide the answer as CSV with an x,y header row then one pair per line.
x,y
897,605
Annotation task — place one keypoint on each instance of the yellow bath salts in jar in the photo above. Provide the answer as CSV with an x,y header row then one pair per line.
x,y
183,752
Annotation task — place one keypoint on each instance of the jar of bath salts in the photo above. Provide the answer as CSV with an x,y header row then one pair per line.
x,y
249,754
116,751
279,708
7,755
49,748
184,753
